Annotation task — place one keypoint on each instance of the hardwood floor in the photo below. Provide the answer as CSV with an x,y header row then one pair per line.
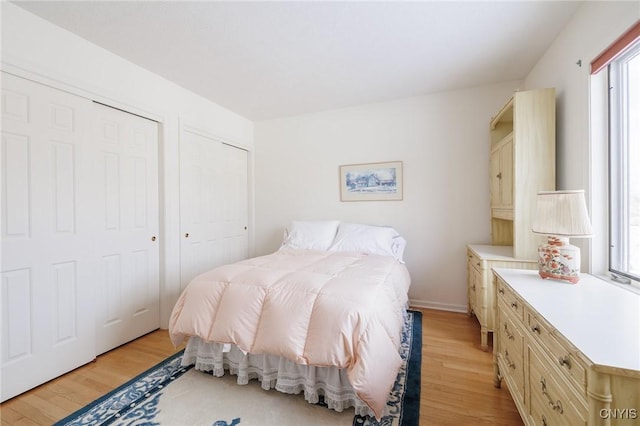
x,y
457,378
62,396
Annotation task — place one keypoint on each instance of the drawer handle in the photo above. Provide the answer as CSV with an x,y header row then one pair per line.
x,y
557,406
535,328
473,287
501,290
506,331
564,361
508,361
514,305
544,420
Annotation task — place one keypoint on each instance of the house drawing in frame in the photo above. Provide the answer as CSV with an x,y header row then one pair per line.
x,y
371,181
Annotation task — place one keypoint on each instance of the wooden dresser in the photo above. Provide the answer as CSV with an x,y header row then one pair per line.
x,y
569,353
480,260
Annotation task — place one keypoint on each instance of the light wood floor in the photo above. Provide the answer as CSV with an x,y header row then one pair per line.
x,y
457,383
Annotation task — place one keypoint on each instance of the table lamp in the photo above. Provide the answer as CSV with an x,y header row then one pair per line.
x,y
561,215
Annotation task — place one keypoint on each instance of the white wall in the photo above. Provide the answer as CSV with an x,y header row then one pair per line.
x,y
34,48
443,141
441,138
592,29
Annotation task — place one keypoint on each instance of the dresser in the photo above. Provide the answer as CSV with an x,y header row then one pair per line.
x,y
569,353
480,260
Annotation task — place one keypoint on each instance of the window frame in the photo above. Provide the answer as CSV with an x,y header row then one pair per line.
x,y
619,164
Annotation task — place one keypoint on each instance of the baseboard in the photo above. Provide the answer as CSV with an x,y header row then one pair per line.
x,y
425,304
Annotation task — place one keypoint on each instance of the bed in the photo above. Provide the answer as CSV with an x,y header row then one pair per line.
x,y
322,315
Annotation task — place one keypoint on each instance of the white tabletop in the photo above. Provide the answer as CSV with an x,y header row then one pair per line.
x,y
602,320
490,252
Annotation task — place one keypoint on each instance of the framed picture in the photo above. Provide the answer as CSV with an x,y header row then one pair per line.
x,y
371,182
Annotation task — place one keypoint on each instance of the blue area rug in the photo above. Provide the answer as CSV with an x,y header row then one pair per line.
x,y
140,401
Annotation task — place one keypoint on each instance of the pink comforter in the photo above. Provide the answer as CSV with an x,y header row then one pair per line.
x,y
312,307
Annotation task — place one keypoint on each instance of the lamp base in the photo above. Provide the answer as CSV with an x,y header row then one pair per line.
x,y
559,260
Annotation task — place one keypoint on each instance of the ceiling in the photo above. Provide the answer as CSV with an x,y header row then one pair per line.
x,y
265,60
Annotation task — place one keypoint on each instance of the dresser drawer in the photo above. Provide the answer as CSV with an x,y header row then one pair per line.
x,y
510,335
551,404
473,285
475,261
511,350
562,354
513,303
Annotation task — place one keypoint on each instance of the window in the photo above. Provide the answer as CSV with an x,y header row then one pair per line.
x,y
624,163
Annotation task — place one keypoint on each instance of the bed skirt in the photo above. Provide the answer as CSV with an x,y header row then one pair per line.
x,y
277,373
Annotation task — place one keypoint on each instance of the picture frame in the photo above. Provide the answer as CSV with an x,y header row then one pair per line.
x,y
371,181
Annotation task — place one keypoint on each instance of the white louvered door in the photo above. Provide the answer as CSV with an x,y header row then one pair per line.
x,y
47,262
126,214
213,204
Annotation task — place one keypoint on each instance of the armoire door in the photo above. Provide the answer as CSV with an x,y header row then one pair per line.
x,y
213,204
127,224
47,260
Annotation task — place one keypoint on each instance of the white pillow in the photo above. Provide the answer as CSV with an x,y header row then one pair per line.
x,y
312,235
381,240
398,246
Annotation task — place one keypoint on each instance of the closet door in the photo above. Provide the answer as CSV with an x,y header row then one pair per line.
x,y
235,207
126,239
213,204
47,264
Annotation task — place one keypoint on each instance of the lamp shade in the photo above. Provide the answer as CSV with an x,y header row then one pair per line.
x,y
562,213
